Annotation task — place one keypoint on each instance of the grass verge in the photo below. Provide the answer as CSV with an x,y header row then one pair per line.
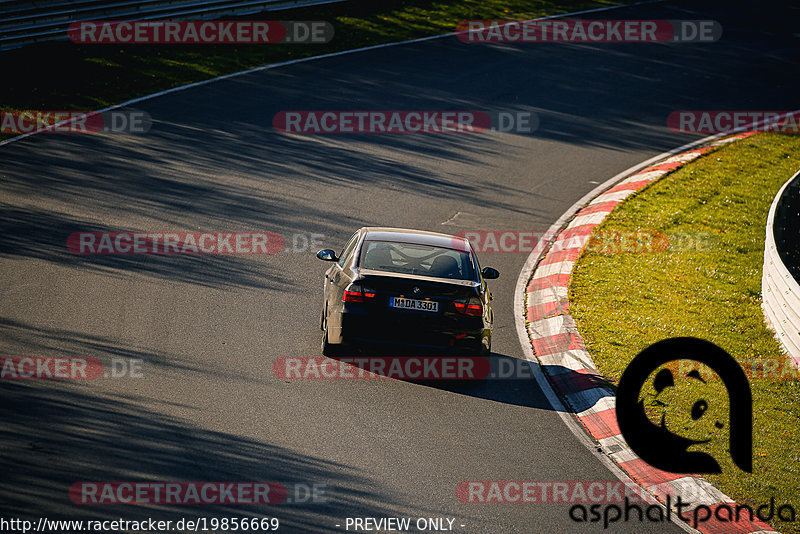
x,y
625,302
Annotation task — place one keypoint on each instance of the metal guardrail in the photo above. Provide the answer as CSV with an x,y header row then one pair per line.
x,y
780,290
25,22
787,228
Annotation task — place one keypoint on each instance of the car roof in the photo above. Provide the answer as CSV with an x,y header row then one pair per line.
x,y
405,235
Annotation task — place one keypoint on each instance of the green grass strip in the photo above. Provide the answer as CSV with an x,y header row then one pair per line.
x,y
710,289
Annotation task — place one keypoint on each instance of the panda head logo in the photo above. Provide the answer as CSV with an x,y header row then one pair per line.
x,y
683,403
685,415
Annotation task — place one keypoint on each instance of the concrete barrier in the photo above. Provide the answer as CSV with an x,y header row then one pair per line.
x,y
780,291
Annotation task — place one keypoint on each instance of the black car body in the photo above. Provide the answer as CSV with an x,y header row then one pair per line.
x,y
397,289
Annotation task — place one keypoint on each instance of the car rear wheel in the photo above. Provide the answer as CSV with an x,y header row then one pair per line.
x,y
328,349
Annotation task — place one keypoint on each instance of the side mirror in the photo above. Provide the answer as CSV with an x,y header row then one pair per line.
x,y
327,255
490,274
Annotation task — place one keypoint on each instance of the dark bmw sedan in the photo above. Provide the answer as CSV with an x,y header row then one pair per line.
x,y
397,289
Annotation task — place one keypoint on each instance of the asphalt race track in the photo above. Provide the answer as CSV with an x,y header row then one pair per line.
x,y
208,328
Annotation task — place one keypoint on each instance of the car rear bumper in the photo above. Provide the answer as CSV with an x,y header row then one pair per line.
x,y
415,334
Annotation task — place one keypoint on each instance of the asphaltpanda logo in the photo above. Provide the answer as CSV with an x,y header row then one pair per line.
x,y
687,417
673,398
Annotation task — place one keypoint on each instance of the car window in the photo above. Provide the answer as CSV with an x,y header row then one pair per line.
x,y
475,261
418,259
348,249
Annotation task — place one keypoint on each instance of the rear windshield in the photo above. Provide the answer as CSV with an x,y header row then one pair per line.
x,y
417,259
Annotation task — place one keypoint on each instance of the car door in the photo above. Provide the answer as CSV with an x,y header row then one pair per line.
x,y
336,280
486,294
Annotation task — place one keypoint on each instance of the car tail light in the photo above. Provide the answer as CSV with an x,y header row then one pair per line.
x,y
472,307
356,294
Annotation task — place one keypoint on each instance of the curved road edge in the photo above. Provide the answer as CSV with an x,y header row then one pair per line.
x,y
549,338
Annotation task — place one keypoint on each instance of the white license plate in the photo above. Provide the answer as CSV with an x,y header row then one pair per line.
x,y
414,304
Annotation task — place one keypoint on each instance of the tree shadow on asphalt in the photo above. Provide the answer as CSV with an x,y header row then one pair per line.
x,y
212,158
37,234
213,155
82,436
21,339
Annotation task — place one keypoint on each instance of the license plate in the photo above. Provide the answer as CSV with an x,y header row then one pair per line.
x,y
414,304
